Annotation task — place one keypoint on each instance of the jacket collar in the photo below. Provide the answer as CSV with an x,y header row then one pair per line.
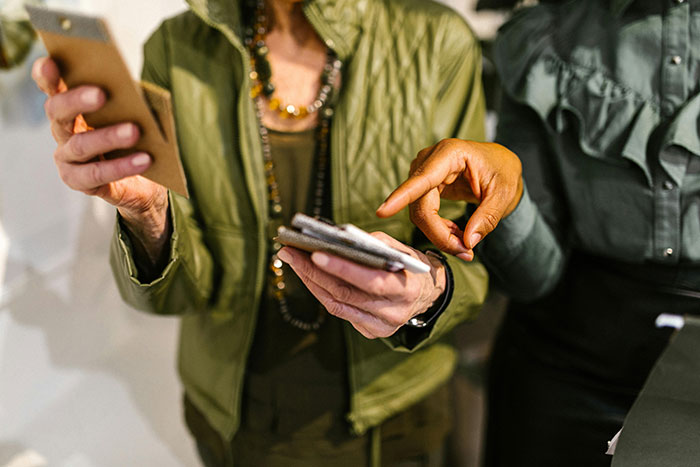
x,y
222,14
338,22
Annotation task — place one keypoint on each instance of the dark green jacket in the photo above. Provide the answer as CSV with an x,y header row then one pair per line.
x,y
411,77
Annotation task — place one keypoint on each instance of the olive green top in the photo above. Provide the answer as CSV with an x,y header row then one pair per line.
x,y
295,395
602,106
296,391
277,344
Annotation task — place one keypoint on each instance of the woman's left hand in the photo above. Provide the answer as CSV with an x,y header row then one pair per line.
x,y
377,303
486,174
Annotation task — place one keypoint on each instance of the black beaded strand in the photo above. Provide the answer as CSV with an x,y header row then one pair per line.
x,y
260,77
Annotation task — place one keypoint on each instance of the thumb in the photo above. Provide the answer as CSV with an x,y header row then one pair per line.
x,y
486,217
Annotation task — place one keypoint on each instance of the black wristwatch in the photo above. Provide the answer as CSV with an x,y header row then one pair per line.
x,y
428,317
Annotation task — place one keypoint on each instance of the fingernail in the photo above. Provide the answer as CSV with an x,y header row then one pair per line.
x,y
474,239
320,259
125,131
381,207
141,160
465,256
37,69
284,255
90,96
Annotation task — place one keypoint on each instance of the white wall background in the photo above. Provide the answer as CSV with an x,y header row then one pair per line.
x,y
84,380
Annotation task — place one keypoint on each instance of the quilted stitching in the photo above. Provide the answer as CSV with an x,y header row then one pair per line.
x,y
401,68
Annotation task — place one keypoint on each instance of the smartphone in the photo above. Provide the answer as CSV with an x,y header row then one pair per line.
x,y
347,241
86,53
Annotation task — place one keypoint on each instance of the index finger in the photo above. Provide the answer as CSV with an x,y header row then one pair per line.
x,y
47,76
432,172
406,193
371,281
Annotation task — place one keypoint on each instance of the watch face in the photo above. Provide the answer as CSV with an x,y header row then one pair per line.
x,y
16,40
417,323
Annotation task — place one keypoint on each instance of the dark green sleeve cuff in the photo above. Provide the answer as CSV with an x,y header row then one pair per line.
x,y
183,284
140,268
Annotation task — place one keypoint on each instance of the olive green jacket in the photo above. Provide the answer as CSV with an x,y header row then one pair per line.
x,y
411,77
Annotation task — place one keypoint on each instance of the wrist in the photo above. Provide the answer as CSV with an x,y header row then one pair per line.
x,y
439,276
149,221
441,295
149,228
147,224
516,200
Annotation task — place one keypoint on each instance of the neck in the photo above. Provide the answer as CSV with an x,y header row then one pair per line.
x,y
286,17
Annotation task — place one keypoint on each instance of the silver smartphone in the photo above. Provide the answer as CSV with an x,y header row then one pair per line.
x,y
348,241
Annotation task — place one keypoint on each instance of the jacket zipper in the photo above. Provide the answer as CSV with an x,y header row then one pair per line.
x,y
338,189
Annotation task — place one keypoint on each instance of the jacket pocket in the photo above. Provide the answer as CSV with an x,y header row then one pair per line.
x,y
235,252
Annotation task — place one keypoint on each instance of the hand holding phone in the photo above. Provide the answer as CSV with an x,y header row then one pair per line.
x,y
81,149
376,301
83,49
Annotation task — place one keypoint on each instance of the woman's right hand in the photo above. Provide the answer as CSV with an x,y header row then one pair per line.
x,y
142,203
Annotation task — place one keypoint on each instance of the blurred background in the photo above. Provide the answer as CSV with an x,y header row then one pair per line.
x,y
84,380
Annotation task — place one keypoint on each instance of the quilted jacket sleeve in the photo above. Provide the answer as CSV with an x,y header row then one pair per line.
x,y
459,113
185,283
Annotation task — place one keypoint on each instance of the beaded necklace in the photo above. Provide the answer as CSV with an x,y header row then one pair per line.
x,y
262,72
262,88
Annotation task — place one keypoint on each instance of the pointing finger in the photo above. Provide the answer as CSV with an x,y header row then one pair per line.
x,y
440,168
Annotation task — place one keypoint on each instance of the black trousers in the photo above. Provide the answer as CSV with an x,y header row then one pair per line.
x,y
566,369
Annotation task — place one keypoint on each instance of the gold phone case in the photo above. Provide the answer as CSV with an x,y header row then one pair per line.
x,y
86,54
